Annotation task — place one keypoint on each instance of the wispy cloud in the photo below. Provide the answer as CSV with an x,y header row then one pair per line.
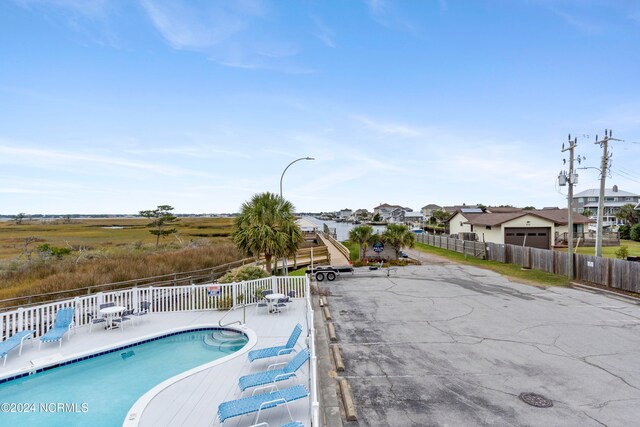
x,y
388,14
236,34
94,9
37,157
387,128
323,33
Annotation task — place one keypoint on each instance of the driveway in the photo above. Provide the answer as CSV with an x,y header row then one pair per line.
x,y
444,344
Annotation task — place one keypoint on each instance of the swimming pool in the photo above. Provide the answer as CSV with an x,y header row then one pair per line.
x,y
100,390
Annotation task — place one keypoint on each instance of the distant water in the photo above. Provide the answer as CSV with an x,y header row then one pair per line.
x,y
342,228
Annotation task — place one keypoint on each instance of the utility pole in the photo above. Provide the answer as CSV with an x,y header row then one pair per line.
x,y
604,165
571,180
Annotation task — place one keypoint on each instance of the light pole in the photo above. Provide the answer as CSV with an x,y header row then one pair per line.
x,y
284,259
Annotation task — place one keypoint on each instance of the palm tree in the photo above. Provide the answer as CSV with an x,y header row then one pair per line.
x,y
628,214
398,236
266,225
361,235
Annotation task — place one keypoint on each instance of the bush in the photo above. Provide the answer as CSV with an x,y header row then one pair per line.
x,y
243,273
635,233
625,232
622,252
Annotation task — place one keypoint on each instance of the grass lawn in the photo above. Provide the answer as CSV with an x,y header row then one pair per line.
x,y
354,249
510,270
610,251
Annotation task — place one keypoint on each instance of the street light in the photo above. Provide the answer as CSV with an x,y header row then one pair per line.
x,y
284,259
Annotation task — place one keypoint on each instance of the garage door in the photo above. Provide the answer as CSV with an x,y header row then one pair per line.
x,y
532,237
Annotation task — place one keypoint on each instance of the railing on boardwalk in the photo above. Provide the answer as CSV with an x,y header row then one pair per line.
x,y
314,408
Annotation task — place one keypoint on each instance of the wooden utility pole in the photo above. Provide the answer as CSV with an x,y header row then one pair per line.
x,y
571,181
604,165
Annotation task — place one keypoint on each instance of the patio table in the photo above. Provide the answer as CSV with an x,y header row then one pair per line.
x,y
110,312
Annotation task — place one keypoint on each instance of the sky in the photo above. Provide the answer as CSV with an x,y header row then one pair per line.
x,y
114,106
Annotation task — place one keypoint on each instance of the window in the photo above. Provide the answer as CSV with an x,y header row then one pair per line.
x,y
580,199
521,234
488,227
628,199
609,199
593,199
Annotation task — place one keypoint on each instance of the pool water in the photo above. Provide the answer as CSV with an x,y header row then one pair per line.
x,y
101,390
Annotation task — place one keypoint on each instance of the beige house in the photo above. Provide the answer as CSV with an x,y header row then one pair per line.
x,y
536,228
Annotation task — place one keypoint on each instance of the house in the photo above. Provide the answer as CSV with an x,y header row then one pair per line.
x,y
455,208
345,213
614,199
361,215
391,213
428,210
413,218
533,228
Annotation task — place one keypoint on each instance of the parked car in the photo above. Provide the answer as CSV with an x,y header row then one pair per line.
x,y
403,255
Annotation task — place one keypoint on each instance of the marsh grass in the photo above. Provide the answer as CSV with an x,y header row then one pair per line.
x,y
105,255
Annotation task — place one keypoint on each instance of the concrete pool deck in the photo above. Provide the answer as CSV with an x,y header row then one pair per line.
x,y
445,344
192,401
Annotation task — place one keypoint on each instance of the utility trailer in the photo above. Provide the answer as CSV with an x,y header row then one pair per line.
x,y
328,272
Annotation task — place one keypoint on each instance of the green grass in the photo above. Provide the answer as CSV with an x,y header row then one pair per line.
x,y
92,234
298,272
610,251
513,271
354,249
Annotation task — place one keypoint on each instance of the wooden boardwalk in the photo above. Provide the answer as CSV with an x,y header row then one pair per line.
x,y
338,257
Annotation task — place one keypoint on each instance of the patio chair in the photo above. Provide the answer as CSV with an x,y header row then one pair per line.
x,y
143,310
268,352
263,302
274,375
93,319
282,303
122,318
259,402
14,341
62,324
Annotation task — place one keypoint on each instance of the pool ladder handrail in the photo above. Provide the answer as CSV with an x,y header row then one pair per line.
x,y
244,311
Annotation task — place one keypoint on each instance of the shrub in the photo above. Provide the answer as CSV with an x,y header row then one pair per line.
x,y
243,273
635,233
622,252
625,232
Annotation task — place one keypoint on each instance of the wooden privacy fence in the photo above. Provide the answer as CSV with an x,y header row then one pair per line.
x,y
609,272
168,299
467,247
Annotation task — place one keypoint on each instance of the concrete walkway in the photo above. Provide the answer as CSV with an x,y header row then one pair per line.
x,y
444,344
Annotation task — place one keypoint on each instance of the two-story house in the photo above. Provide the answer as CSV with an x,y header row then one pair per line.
x,y
614,198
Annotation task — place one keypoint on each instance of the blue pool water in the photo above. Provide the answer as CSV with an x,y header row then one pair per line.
x,y
100,391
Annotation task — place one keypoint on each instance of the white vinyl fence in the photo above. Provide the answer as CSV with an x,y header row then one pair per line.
x,y
165,299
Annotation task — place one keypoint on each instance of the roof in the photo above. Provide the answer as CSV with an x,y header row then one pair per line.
x,y
471,210
557,216
413,215
503,209
464,215
431,206
386,205
608,192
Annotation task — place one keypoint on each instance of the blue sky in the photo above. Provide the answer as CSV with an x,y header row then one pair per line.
x,y
118,106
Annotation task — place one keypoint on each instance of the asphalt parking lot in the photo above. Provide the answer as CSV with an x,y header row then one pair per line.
x,y
444,344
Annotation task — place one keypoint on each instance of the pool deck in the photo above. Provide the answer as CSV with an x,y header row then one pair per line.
x,y
192,401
